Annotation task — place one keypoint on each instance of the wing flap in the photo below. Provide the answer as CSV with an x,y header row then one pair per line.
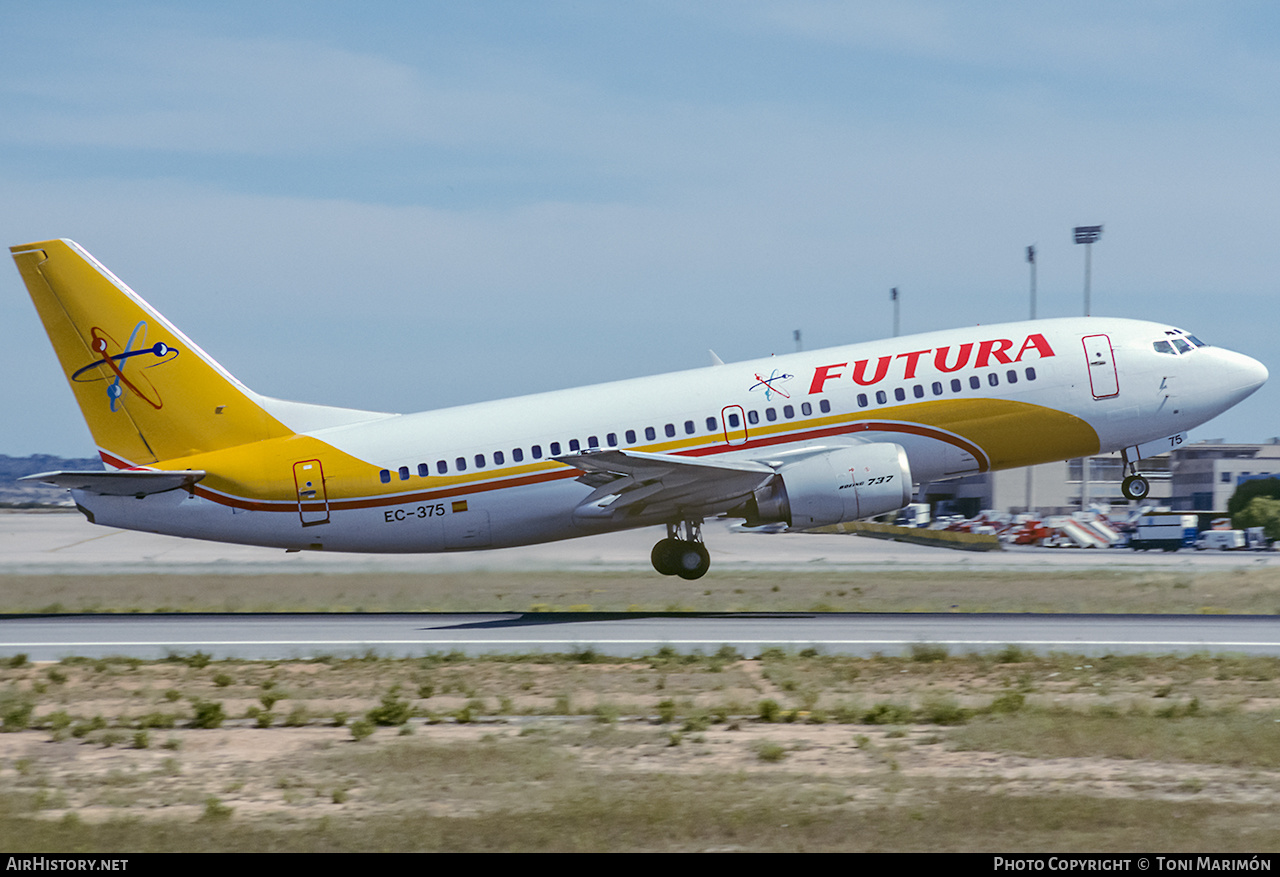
x,y
123,482
637,484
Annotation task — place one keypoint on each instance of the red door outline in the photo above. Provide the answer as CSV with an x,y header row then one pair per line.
x,y
1104,380
736,435
313,499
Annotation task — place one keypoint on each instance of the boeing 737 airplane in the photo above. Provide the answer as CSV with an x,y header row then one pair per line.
x,y
805,439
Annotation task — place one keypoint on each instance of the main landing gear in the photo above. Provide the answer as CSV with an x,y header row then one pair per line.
x,y
680,554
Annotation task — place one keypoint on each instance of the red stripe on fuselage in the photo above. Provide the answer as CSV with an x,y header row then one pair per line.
x,y
568,472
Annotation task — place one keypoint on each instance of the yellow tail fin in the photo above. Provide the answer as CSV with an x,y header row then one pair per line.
x,y
147,392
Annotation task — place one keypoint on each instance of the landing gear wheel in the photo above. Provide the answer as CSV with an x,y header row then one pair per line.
x,y
1135,487
693,560
666,556
682,552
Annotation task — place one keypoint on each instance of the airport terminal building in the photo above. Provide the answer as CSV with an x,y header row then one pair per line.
x,y
1200,476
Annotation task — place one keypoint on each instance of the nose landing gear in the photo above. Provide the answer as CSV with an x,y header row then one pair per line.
x,y
684,554
1134,486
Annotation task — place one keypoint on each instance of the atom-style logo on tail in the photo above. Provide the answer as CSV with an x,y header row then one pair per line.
x,y
136,381
770,384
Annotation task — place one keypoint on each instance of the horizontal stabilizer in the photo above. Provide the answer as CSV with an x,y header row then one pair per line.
x,y
123,482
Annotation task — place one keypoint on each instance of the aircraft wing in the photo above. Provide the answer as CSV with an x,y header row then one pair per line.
x,y
630,484
121,482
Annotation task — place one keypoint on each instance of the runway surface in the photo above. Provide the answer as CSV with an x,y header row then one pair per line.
x,y
282,637
61,543
64,542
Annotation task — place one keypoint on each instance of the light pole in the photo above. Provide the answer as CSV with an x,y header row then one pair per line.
x,y
893,297
1031,259
1086,234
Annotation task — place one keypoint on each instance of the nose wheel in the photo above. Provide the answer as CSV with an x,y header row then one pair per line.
x,y
682,554
1135,487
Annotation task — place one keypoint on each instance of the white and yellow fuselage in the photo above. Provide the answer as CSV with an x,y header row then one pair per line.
x,y
660,449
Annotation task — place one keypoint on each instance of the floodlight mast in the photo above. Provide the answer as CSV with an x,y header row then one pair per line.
x,y
1031,259
1087,235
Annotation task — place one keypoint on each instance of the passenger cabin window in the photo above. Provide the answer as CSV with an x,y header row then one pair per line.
x,y
670,430
517,454
862,400
498,459
918,391
806,409
900,394
650,433
612,439
536,450
424,470
460,464
385,476
770,414
442,467
593,441
689,428
975,383
733,420
788,411
752,416
824,406
479,461
555,449
574,446
631,436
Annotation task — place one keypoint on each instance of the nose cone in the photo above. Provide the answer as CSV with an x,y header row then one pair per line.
x,y
1240,375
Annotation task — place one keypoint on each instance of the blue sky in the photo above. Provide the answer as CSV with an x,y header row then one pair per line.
x,y
402,206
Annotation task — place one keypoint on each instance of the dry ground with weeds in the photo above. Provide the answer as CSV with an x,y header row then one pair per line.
x,y
1244,589
669,752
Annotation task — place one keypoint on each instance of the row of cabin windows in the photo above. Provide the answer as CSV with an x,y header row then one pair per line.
x,y
918,391
611,440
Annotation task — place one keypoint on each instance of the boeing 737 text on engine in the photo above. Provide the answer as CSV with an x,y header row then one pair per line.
x,y
806,439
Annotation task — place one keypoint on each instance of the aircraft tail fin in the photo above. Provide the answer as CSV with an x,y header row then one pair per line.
x,y
147,392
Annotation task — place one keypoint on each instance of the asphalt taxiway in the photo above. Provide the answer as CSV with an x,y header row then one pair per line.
x,y
64,542
48,543
283,637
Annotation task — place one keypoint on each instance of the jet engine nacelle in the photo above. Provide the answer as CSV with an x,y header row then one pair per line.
x,y
840,485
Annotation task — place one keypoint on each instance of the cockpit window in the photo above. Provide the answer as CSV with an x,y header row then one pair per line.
x,y
1177,342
